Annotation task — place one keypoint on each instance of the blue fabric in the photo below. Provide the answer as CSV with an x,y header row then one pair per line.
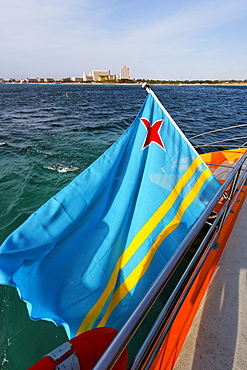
x,y
62,258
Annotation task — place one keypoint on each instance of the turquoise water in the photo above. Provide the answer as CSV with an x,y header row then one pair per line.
x,y
48,135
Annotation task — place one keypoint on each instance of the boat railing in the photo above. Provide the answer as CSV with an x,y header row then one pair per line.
x,y
218,129
228,195
213,143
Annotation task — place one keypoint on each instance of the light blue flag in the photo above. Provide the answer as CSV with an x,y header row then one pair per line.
x,y
87,257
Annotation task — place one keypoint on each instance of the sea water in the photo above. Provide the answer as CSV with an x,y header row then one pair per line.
x,y
49,134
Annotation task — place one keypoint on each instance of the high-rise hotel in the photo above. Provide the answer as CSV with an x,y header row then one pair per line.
x,y
124,73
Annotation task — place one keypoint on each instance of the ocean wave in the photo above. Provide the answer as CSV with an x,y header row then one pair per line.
x,y
61,168
27,148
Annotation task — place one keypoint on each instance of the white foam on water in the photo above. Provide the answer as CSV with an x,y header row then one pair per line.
x,y
61,169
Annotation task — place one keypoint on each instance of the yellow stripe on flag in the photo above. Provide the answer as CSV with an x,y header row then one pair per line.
x,y
133,278
138,240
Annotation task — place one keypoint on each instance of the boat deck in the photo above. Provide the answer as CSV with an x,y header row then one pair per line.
x,y
218,336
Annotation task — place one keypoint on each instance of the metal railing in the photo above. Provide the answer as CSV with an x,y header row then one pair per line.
x,y
213,143
233,184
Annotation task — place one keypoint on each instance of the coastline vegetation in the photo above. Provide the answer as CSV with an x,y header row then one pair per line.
x,y
180,82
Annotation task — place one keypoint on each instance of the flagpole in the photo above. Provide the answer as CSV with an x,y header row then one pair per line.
x,y
150,91
146,86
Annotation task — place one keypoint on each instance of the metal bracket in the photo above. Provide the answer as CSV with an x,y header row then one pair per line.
x,y
215,246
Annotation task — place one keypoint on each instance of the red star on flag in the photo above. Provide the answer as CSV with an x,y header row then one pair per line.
x,y
153,135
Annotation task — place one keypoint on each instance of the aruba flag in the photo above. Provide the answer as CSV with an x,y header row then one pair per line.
x,y
87,257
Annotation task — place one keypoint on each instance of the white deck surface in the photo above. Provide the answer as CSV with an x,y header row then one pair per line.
x,y
217,339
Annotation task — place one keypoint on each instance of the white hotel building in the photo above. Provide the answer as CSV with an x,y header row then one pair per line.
x,y
124,73
96,75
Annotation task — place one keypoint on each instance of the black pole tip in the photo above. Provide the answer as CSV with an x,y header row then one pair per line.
x,y
145,85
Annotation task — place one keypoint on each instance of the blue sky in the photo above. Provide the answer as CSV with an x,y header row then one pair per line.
x,y
159,39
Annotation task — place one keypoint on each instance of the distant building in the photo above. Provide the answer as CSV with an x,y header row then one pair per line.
x,y
124,73
103,78
113,77
65,79
48,80
104,75
76,79
87,77
99,73
31,80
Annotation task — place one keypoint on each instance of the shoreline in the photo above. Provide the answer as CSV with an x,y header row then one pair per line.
x,y
127,84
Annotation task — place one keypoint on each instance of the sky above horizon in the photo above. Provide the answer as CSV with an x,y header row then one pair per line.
x,y
166,40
